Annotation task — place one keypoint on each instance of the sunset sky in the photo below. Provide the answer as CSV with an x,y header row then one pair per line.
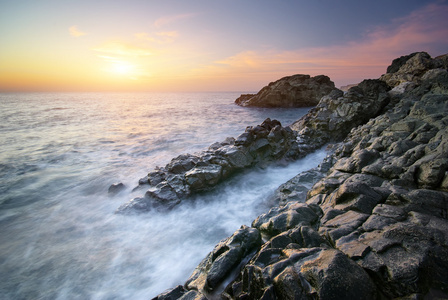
x,y
207,45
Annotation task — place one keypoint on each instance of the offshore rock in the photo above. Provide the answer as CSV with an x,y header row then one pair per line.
x,y
116,188
375,224
291,91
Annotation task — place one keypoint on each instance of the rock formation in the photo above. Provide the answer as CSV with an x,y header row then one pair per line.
x,y
331,120
371,222
188,174
292,91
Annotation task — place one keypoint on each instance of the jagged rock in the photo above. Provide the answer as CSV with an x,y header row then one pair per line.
x,y
188,174
224,259
376,225
313,273
200,178
292,91
327,270
296,188
408,68
336,114
281,219
182,163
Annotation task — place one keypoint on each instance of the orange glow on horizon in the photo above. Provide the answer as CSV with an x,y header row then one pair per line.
x,y
165,55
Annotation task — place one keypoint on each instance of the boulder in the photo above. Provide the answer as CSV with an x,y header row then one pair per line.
x,y
291,91
337,113
116,188
312,273
224,259
408,68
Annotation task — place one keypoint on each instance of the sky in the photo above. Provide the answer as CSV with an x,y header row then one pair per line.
x,y
207,45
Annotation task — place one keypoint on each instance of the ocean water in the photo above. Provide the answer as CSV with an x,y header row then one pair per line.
x,y
59,153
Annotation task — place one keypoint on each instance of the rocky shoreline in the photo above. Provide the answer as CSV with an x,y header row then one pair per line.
x,y
371,222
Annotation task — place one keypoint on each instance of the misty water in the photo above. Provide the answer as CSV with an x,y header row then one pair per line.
x,y
59,153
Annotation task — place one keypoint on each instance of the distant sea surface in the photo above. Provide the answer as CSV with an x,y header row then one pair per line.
x,y
59,153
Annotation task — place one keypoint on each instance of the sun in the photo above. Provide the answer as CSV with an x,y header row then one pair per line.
x,y
123,68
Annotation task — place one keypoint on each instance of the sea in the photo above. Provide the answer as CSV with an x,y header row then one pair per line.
x,y
60,237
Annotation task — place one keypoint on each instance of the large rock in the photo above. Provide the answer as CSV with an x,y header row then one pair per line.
x,y
375,224
337,113
188,174
412,67
292,91
310,273
224,260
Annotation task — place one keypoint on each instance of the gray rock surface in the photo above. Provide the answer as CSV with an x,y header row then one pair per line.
x,y
291,91
188,174
373,223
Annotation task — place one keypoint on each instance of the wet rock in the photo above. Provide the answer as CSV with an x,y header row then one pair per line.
x,y
200,178
305,274
172,294
375,226
358,160
292,91
156,177
182,163
116,188
224,259
278,220
138,204
296,189
180,293
322,187
326,272
244,139
163,194
342,225
188,174
353,195
238,158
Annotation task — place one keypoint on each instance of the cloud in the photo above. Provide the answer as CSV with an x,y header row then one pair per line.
x,y
171,19
171,34
422,30
163,37
74,31
122,49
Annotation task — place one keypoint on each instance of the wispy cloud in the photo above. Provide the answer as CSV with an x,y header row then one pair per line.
x,y
422,30
160,22
162,37
122,49
74,31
